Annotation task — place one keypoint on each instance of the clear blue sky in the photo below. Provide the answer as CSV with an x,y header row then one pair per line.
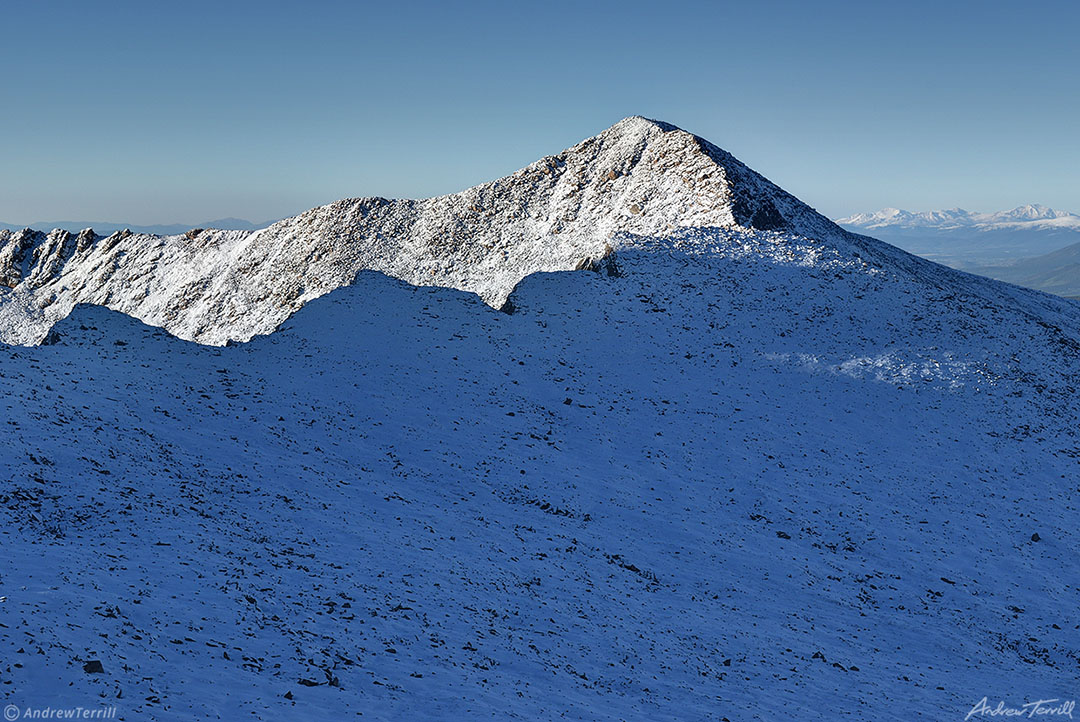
x,y
155,112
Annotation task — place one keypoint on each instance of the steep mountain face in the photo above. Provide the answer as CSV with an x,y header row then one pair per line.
x,y
640,176
967,240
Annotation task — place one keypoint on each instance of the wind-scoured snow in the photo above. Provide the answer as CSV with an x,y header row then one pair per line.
x,y
722,472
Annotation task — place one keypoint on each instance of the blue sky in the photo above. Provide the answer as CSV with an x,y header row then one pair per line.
x,y
183,112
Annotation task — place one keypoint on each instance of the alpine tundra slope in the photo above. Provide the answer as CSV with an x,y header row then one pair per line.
x,y
742,464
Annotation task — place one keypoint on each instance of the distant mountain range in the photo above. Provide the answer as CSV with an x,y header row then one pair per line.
x,y
1027,217
1030,245
168,229
965,239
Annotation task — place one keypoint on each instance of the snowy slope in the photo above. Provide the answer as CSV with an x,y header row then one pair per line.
x,y
639,176
725,473
966,239
742,478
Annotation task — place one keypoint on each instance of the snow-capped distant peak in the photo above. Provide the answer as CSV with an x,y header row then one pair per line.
x,y
1030,212
885,215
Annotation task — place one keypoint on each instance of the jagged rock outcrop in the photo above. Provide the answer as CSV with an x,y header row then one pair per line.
x,y
13,251
639,177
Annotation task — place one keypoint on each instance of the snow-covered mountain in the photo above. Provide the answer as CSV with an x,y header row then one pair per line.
x,y
213,286
741,464
965,239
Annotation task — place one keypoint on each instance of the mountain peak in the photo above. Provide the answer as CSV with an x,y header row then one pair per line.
x,y
1030,212
634,123
723,184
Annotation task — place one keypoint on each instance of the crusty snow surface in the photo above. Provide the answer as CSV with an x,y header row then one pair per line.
x,y
721,473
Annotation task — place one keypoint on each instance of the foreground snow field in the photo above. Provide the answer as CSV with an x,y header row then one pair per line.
x,y
719,473
717,484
